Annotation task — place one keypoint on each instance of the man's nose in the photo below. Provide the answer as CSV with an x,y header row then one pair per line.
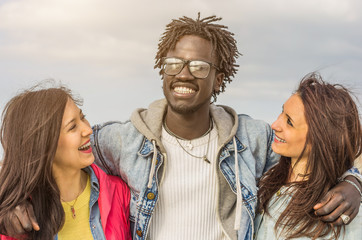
x,y
185,74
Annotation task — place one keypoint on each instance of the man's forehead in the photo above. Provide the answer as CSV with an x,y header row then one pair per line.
x,y
193,44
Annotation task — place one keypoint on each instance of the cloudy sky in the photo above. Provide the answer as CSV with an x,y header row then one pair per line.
x,y
104,49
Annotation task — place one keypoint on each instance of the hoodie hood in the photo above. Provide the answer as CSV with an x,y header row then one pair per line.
x,y
149,121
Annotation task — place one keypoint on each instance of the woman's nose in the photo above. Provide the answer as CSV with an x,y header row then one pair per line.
x,y
87,130
276,125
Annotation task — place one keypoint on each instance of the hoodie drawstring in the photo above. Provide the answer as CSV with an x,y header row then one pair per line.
x,y
238,189
153,165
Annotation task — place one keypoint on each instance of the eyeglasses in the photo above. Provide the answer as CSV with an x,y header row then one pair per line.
x,y
199,69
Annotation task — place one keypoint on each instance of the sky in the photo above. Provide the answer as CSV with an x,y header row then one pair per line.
x,y
104,49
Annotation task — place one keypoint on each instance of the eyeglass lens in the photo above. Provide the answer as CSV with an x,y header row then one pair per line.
x,y
198,69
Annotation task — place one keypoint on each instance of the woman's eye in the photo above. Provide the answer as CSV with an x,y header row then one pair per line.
x,y
82,117
289,122
72,127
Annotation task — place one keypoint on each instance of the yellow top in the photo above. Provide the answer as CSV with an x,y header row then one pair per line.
x,y
78,227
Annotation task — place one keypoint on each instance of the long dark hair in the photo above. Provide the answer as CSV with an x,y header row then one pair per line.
x,y
335,140
30,129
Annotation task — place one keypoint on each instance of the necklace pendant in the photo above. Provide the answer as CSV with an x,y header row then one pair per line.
x,y
205,159
189,146
73,212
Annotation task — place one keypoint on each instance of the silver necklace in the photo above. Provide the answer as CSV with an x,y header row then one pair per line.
x,y
189,145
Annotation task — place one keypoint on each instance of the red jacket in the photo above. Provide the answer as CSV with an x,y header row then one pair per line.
x,y
113,202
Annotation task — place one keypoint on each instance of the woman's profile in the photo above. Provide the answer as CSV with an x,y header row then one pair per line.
x,y
48,161
318,134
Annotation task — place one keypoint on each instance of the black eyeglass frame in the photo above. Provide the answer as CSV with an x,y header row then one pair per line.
x,y
187,62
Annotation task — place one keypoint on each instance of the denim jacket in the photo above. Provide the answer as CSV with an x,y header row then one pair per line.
x,y
134,151
95,218
265,223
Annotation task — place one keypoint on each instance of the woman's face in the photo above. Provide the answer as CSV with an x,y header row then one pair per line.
x,y
291,129
74,151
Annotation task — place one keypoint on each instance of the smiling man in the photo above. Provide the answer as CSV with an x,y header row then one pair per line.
x,y
183,156
192,166
188,90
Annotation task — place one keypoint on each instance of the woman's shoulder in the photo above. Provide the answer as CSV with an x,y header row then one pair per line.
x,y
110,182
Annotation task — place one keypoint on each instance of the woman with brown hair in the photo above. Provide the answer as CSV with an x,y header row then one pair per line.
x,y
318,135
48,159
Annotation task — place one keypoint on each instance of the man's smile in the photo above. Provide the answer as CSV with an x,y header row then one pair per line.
x,y
183,90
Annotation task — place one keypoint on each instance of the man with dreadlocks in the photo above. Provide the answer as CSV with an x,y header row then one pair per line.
x,y
183,156
190,153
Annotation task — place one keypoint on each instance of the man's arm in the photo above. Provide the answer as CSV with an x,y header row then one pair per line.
x,y
106,142
345,198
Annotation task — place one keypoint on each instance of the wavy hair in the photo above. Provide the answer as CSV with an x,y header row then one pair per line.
x,y
30,129
335,139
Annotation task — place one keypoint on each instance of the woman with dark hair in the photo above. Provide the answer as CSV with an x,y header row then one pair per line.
x,y
318,135
48,160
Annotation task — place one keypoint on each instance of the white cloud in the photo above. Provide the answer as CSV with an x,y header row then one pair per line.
x,y
105,50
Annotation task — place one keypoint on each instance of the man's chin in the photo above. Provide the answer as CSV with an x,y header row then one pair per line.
x,y
186,108
183,109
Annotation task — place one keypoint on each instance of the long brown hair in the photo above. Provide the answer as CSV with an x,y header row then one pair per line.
x,y
30,129
335,140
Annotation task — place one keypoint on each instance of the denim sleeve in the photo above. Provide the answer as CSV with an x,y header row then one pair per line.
x,y
272,157
352,172
106,147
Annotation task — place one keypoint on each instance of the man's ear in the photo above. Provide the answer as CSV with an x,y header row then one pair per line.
x,y
218,81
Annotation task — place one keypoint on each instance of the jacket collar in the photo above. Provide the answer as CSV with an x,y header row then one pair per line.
x,y
149,121
93,178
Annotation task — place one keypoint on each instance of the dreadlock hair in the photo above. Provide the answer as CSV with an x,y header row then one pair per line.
x,y
221,39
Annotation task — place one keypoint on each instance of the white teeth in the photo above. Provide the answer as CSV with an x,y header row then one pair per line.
x,y
183,90
85,146
279,139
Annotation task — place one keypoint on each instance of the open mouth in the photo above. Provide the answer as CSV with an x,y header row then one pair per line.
x,y
85,146
184,90
279,139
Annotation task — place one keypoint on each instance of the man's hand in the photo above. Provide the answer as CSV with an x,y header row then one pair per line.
x,y
19,221
342,199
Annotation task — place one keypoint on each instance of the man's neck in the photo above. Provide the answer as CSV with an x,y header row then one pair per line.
x,y
188,126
